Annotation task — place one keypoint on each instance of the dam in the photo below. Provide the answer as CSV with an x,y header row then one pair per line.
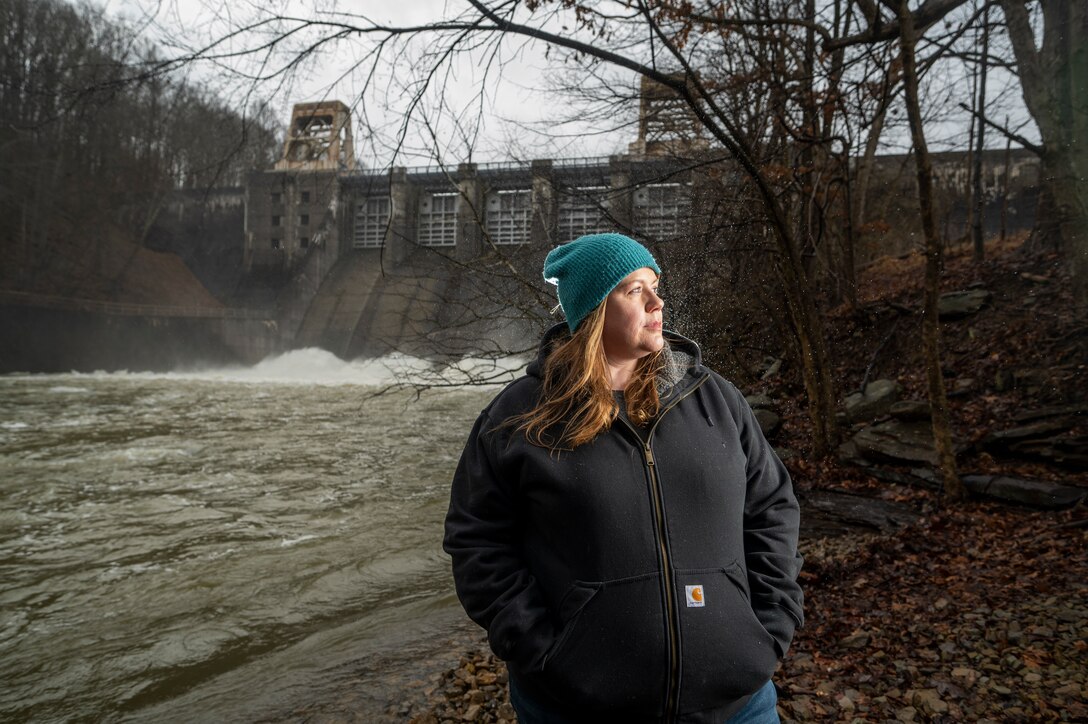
x,y
444,260
440,261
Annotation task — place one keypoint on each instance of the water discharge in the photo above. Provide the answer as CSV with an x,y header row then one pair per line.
x,y
207,544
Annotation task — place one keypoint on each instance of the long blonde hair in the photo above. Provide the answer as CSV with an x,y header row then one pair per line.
x,y
576,397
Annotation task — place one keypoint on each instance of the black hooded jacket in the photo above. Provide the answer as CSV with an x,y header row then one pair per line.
x,y
648,581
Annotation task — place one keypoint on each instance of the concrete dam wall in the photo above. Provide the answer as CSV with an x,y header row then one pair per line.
x,y
424,307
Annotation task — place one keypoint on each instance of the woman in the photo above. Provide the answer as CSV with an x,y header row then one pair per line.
x,y
618,523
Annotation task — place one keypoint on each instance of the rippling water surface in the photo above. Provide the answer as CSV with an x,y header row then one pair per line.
x,y
209,545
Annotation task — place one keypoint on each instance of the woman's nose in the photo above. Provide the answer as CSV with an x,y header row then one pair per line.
x,y
655,302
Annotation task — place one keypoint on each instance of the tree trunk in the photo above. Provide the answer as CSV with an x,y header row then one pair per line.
x,y
838,159
1054,81
815,359
968,197
1067,192
942,434
1005,187
849,265
872,143
976,230
807,155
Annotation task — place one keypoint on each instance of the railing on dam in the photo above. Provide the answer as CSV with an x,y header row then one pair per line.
x,y
509,165
74,304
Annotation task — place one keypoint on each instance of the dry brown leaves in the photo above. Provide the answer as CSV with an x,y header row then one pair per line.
x,y
976,614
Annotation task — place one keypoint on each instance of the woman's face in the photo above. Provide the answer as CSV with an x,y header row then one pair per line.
x,y
632,317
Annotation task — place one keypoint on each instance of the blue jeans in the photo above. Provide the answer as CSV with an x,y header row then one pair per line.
x,y
760,709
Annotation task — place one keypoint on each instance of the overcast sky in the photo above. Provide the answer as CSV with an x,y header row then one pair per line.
x,y
520,115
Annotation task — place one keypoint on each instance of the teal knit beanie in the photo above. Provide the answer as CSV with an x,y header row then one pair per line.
x,y
588,268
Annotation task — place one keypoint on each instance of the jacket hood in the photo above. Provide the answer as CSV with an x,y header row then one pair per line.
x,y
683,357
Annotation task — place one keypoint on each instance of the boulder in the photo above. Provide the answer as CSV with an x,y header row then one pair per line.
x,y
828,513
1057,411
1047,438
910,410
768,421
1037,493
771,367
1004,439
848,453
962,386
957,305
876,400
759,402
898,442
1031,381
1070,451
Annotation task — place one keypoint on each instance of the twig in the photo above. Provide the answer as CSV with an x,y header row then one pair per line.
x,y
1012,135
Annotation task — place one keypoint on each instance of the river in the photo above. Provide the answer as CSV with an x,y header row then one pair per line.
x,y
217,545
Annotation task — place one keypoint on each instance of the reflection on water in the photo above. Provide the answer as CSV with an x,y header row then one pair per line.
x,y
212,541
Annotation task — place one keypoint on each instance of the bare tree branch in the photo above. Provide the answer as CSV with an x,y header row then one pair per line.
x,y
1003,130
930,12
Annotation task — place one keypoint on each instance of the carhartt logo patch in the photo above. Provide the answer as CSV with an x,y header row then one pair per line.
x,y
695,596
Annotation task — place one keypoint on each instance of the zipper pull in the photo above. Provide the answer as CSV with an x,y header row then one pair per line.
x,y
649,456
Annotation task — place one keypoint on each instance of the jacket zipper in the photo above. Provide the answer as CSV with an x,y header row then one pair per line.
x,y
672,691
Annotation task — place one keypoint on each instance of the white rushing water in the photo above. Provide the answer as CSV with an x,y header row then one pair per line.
x,y
206,544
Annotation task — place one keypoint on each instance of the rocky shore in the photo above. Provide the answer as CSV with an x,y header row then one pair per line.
x,y
475,691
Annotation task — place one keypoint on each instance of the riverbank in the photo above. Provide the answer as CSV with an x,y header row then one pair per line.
x,y
974,614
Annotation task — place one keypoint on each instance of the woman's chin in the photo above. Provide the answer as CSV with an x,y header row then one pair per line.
x,y
655,342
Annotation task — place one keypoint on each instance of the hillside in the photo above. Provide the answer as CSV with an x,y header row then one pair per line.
x,y
1023,354
101,263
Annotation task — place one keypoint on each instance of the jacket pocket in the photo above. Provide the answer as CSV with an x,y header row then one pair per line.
x,y
725,650
611,651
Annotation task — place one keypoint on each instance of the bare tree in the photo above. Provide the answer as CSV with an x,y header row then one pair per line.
x,y
93,137
1054,80
907,26
980,143
931,333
